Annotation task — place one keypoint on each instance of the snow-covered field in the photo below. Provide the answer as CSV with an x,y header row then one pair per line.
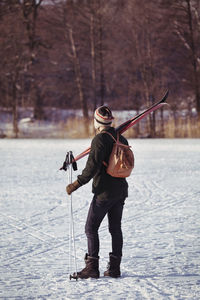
x,y
161,223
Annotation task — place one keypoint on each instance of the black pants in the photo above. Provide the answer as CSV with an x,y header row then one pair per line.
x,y
97,211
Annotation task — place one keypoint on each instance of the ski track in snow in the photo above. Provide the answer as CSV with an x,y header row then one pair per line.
x,y
160,223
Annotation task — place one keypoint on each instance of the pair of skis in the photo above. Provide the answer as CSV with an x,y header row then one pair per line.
x,y
126,125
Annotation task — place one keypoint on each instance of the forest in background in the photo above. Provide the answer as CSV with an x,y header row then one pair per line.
x,y
79,54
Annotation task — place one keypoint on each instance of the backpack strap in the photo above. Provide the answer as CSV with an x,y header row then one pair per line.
x,y
113,136
117,140
104,163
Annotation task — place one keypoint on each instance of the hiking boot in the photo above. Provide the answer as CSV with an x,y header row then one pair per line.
x,y
113,268
91,269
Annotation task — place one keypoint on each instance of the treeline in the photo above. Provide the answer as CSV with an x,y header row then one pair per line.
x,y
85,53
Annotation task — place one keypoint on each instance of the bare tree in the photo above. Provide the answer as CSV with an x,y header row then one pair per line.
x,y
77,70
18,50
29,10
13,57
140,17
69,12
193,16
184,17
93,56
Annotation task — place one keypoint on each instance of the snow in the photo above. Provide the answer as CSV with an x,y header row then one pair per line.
x,y
161,223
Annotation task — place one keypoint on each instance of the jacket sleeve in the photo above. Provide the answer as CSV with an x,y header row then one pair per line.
x,y
95,160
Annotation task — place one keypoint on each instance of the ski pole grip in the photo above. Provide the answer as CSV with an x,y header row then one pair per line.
x,y
65,163
73,162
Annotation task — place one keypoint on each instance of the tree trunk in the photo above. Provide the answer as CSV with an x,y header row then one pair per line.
x,y
162,133
38,105
77,70
102,76
194,57
14,110
93,59
30,15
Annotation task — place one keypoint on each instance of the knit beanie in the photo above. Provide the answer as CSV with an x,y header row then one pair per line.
x,y
103,116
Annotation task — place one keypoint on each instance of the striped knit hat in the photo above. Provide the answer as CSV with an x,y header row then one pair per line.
x,y
103,116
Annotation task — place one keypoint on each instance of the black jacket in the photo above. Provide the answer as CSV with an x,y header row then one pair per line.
x,y
104,186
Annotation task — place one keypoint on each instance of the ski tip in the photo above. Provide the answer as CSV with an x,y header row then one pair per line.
x,y
165,96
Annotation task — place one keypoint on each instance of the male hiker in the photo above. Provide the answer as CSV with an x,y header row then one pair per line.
x,y
109,196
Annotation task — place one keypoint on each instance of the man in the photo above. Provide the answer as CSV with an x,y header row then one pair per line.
x,y
109,196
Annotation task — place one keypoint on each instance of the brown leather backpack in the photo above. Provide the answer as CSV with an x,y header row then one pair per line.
x,y
121,160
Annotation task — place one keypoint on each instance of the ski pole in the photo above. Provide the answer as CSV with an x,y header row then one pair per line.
x,y
72,220
70,164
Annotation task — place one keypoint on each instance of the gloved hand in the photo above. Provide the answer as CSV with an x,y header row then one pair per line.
x,y
70,188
